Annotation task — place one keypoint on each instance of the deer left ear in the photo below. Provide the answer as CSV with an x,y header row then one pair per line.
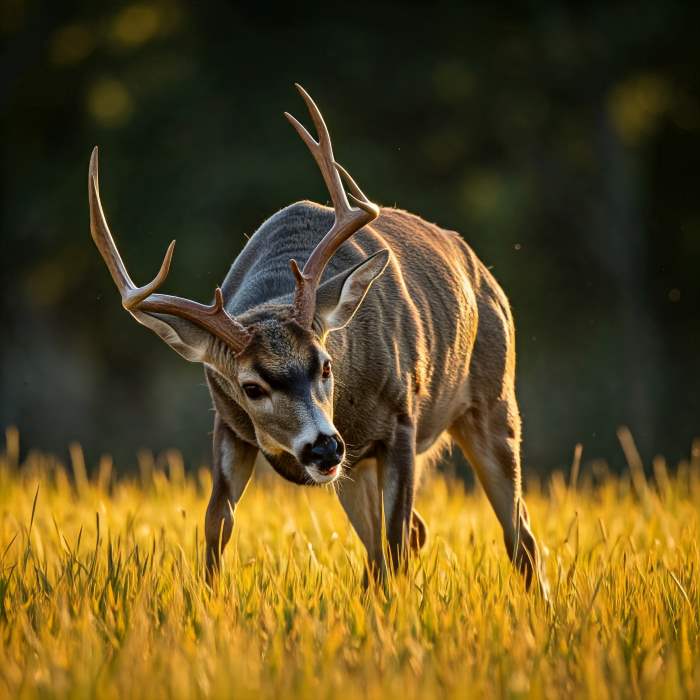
x,y
338,299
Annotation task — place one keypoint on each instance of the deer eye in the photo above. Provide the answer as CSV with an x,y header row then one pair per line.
x,y
253,391
326,371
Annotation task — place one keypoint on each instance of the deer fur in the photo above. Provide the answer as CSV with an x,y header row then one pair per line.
x,y
430,354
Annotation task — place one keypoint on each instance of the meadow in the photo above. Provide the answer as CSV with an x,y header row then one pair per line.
x,y
102,591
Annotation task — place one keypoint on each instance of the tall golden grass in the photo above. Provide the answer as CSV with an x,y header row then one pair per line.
x,y
102,592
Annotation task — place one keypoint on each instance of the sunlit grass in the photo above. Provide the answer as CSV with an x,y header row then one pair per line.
x,y
102,593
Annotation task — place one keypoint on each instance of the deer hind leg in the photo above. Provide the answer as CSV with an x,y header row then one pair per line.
x,y
231,472
490,440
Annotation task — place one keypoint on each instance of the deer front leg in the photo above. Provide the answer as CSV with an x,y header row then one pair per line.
x,y
361,497
397,479
231,471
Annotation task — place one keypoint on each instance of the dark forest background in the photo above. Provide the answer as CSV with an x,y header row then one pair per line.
x,y
563,144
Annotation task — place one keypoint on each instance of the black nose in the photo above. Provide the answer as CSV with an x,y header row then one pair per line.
x,y
325,453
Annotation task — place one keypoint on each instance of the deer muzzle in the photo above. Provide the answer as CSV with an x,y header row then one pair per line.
x,y
324,454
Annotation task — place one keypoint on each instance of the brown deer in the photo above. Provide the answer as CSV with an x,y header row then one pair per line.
x,y
391,339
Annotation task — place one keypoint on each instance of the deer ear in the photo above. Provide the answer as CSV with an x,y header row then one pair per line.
x,y
186,338
338,299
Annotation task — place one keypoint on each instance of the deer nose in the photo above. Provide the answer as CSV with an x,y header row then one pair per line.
x,y
326,453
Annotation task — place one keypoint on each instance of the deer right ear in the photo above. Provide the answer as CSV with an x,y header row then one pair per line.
x,y
186,338
338,299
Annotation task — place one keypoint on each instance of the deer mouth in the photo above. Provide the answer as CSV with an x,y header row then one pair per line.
x,y
324,475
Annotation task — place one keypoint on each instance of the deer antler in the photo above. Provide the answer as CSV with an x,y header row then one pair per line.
x,y
214,318
348,220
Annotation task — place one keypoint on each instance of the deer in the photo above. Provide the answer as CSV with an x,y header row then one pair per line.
x,y
387,341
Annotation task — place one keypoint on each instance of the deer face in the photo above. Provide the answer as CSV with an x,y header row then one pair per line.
x,y
284,382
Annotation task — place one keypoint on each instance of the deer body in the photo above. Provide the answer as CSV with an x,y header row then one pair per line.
x,y
422,347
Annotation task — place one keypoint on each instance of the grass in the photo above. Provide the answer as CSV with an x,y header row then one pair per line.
x,y
102,593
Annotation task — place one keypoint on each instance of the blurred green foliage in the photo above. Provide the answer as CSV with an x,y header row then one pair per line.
x,y
563,144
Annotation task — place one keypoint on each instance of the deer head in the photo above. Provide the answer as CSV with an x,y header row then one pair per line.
x,y
272,362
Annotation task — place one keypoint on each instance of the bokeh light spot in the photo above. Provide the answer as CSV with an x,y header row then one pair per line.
x,y
136,24
482,194
109,102
70,44
45,284
636,105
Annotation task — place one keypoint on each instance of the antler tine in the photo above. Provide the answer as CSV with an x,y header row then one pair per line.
x,y
213,318
321,150
347,219
306,137
130,293
356,194
324,138
101,234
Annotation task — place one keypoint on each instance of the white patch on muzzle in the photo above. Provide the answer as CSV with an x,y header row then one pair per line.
x,y
318,478
311,427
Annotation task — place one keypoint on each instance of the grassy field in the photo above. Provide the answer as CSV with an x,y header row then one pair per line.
x,y
102,594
